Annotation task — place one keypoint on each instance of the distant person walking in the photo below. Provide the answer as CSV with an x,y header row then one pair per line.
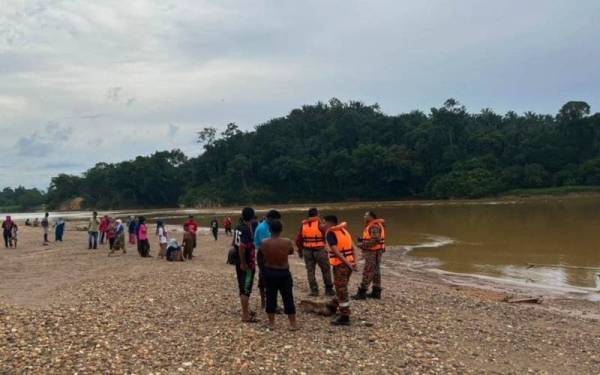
x,y
214,228
372,244
46,227
93,226
187,243
342,257
227,223
142,235
59,229
131,224
276,273
7,226
311,246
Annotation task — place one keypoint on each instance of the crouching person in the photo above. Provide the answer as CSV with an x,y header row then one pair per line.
x,y
342,257
174,253
276,273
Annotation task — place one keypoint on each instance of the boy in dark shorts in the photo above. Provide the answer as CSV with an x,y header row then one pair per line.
x,y
245,265
276,274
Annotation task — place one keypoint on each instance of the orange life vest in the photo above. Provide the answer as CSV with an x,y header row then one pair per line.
x,y
312,237
380,245
344,245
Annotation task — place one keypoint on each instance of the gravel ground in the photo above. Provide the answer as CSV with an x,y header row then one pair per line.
x,y
64,309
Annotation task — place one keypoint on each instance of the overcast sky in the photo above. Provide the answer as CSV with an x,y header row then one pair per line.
x,y
106,80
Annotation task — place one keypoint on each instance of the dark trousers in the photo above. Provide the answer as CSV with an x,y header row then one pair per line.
x,y
102,236
279,281
6,235
215,233
92,240
111,243
319,257
143,248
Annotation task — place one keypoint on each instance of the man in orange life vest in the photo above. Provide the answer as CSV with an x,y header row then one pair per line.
x,y
311,246
372,244
342,257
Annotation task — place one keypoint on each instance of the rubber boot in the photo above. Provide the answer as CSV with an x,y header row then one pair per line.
x,y
329,291
360,294
341,320
375,293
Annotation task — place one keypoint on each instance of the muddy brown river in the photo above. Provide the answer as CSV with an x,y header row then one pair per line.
x,y
551,242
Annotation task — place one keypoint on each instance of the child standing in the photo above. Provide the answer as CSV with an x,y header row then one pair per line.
x,y
162,238
14,235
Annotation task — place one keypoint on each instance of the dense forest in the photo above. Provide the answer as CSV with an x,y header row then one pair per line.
x,y
351,151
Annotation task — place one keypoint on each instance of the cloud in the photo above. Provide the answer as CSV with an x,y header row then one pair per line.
x,y
40,144
111,73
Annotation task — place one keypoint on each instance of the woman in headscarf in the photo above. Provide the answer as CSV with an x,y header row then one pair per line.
x,y
7,231
59,229
142,236
119,243
161,232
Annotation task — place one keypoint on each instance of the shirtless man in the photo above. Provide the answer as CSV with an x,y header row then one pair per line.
x,y
276,272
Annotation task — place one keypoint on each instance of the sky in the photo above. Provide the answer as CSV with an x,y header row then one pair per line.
x,y
85,81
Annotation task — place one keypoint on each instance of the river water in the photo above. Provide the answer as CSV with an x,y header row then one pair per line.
x,y
499,239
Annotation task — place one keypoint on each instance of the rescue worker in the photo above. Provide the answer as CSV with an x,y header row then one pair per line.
x,y
343,261
372,244
311,246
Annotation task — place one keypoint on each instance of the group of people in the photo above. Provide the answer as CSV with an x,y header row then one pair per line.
x,y
10,229
326,242
108,230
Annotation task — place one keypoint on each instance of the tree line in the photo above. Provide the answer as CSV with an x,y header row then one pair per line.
x,y
340,151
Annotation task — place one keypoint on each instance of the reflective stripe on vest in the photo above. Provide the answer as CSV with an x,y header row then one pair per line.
x,y
312,237
344,245
367,234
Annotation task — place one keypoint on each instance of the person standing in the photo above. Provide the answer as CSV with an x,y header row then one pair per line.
x,y
372,244
276,272
119,243
311,246
104,222
261,233
214,228
93,226
192,227
187,243
131,224
227,225
45,227
7,231
14,235
245,265
342,257
111,233
59,229
142,236
162,238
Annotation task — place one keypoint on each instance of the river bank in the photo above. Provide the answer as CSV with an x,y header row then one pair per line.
x,y
65,309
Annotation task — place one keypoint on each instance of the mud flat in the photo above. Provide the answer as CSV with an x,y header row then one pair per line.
x,y
65,309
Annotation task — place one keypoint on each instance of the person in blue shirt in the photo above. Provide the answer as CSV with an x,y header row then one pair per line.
x,y
261,233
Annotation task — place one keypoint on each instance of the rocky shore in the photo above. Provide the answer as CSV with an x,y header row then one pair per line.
x,y
65,309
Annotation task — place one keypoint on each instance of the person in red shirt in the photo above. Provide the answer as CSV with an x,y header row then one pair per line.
x,y
104,222
227,225
192,227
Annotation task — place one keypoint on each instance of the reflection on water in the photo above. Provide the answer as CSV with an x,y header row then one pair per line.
x,y
496,239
